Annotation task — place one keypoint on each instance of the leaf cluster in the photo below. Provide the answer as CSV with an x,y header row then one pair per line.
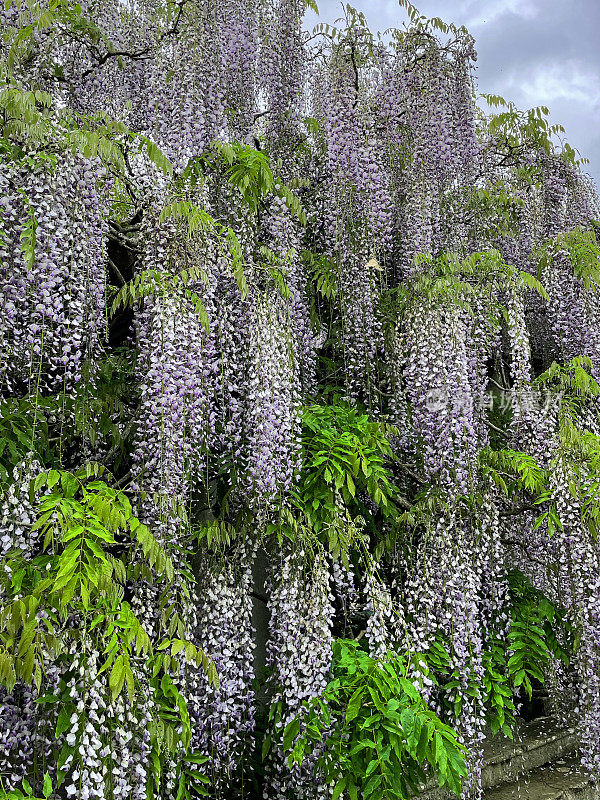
x,y
514,132
23,431
583,251
87,539
538,633
449,279
249,171
373,733
345,461
26,791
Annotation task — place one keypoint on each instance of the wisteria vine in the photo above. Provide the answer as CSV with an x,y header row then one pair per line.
x,y
297,344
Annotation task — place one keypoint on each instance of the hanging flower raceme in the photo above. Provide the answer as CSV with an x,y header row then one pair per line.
x,y
223,716
436,371
273,403
238,28
52,269
578,570
491,567
95,79
569,269
186,107
176,409
178,359
436,88
446,602
384,629
282,63
25,734
524,399
283,239
299,655
358,216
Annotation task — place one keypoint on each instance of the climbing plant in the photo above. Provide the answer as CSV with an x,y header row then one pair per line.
x,y
298,319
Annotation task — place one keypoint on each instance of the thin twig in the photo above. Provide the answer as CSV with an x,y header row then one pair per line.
x,y
495,428
137,55
117,271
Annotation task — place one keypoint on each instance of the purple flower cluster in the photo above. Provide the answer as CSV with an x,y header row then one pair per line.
x,y
578,586
52,269
435,348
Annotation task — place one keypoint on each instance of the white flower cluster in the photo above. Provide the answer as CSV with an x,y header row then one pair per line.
x,y
108,740
299,655
17,513
223,717
384,618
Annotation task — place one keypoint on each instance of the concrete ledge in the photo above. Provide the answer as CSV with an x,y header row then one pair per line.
x,y
536,744
564,779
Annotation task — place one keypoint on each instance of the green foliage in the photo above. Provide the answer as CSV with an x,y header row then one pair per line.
x,y
199,221
488,211
26,791
537,629
373,733
498,204
514,131
30,125
250,172
497,692
513,659
515,474
493,692
422,26
101,409
74,571
25,118
247,169
192,781
196,218
276,267
528,281
23,430
574,390
573,378
372,730
164,285
88,537
583,250
70,588
538,633
323,274
513,471
171,733
448,278
171,727
216,534
31,122
345,455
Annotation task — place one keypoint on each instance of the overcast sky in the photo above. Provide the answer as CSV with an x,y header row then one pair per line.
x,y
533,52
